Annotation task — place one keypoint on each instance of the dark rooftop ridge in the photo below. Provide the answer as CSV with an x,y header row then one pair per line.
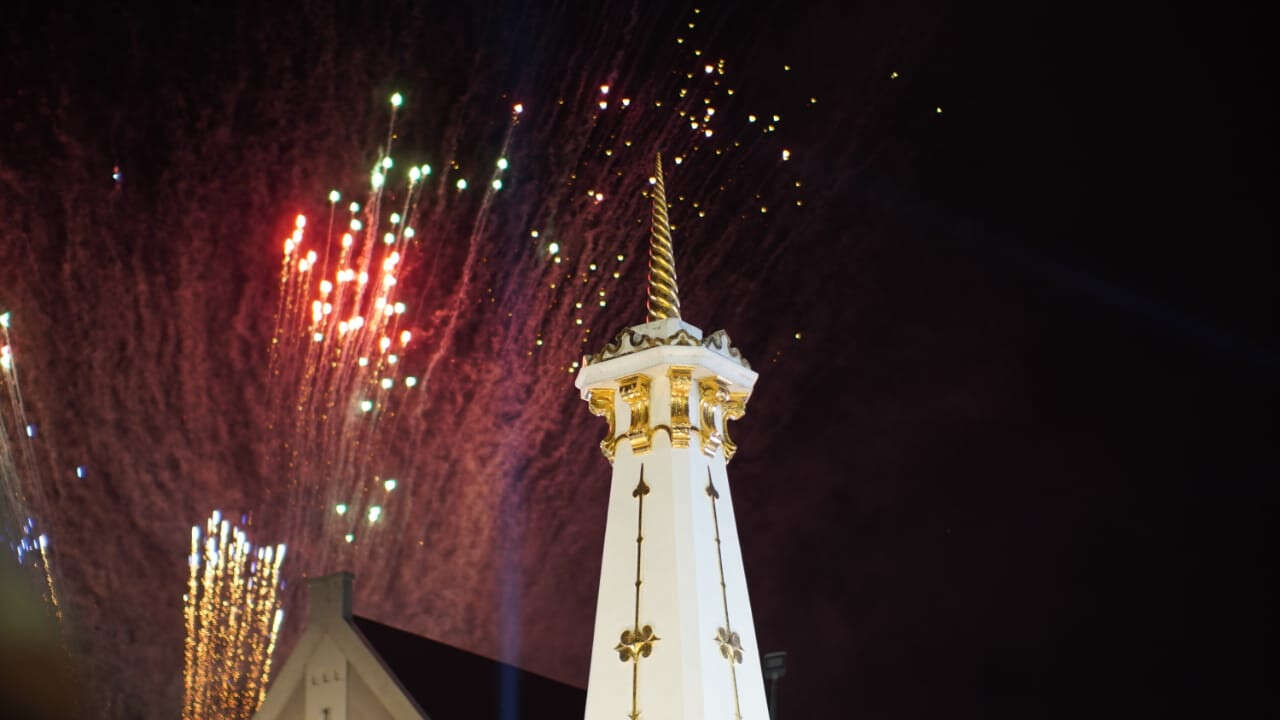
x,y
452,684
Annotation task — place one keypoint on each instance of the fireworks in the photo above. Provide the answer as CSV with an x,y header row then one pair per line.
x,y
343,334
232,614
21,484
155,304
374,296
338,330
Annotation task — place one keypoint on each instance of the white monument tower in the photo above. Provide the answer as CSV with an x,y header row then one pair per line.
x,y
674,638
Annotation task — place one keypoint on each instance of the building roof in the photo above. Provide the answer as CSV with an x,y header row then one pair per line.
x,y
453,684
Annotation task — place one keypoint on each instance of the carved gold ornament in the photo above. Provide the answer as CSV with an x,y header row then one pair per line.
x,y
730,645
712,393
681,378
600,401
635,644
734,408
635,392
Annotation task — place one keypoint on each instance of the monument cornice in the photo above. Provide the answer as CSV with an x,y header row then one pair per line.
x,y
635,339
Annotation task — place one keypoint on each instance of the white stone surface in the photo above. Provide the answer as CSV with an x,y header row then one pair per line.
x,y
685,677
331,673
326,679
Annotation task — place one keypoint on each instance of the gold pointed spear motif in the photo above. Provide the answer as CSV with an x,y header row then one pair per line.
x,y
664,295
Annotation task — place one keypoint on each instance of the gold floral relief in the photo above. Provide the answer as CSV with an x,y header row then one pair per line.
x,y
637,641
734,408
600,401
730,644
635,392
712,393
635,644
681,378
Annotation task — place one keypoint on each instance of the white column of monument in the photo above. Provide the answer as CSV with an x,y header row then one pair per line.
x,y
674,637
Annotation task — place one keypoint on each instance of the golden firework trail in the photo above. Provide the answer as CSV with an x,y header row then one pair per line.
x,y
232,614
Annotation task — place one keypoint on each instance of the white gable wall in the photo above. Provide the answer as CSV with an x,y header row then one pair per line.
x,y
296,707
363,703
332,673
326,682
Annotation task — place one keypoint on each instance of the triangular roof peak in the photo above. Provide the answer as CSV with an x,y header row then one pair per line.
x,y
329,651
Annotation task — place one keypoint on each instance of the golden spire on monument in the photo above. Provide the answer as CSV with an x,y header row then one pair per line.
x,y
663,326
664,294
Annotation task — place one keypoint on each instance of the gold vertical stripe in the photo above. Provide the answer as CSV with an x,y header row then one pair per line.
x,y
634,390
637,642
639,493
726,636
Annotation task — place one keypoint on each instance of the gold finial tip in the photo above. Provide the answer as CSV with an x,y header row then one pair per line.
x,y
664,296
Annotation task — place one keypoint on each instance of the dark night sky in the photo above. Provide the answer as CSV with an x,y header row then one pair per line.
x,y
1015,467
